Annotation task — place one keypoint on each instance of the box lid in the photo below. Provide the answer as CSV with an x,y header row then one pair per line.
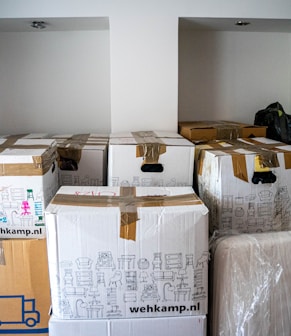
x,y
149,137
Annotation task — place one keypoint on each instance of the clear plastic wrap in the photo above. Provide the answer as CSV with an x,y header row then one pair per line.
x,y
250,285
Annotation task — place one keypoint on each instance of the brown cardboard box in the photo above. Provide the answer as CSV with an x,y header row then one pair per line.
x,y
24,287
202,131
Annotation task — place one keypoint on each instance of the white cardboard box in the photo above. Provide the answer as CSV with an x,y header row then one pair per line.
x,y
150,159
82,159
246,185
119,253
28,181
173,326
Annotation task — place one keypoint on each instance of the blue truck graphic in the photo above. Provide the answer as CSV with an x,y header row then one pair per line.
x,y
15,309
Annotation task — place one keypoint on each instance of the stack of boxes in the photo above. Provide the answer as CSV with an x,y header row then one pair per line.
x,y
245,185
131,257
128,239
29,180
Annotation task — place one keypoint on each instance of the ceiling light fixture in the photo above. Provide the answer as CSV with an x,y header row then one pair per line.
x,y
38,24
242,23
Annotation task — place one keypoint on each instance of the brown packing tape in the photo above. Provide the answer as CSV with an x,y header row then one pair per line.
x,y
127,191
204,131
128,214
267,152
239,166
253,141
128,225
200,152
115,201
268,159
71,148
267,155
10,141
128,204
144,134
227,131
238,163
2,254
19,146
79,137
276,148
40,165
200,161
150,152
24,169
287,159
69,153
47,160
17,136
150,147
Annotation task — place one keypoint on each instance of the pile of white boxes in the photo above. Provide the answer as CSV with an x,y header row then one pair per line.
x,y
28,181
131,258
127,253
116,223
245,184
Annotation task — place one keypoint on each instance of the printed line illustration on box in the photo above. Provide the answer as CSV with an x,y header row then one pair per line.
x,y
92,289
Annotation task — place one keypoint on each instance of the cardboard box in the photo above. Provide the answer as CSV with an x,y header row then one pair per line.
x,y
203,131
82,159
173,326
28,181
249,289
150,159
245,185
24,287
121,253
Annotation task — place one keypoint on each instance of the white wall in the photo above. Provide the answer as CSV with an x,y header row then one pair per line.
x,y
143,63
55,82
144,76
232,75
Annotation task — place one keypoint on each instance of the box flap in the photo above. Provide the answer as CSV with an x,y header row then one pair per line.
x,y
128,203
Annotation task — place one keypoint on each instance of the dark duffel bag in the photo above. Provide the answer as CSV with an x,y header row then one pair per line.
x,y
277,121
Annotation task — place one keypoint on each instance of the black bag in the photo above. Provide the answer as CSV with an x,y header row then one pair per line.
x,y
278,122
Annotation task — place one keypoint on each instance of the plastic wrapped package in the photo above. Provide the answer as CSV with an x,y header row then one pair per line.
x,y
250,285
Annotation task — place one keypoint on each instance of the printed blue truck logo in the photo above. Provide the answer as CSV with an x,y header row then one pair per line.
x,y
15,309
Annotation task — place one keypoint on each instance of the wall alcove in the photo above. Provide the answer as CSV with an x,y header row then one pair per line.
x,y
56,79
229,71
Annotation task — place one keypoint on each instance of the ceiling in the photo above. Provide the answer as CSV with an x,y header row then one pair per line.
x,y
189,23
228,24
54,24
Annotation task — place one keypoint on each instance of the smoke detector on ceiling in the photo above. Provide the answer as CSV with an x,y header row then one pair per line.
x,y
38,24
